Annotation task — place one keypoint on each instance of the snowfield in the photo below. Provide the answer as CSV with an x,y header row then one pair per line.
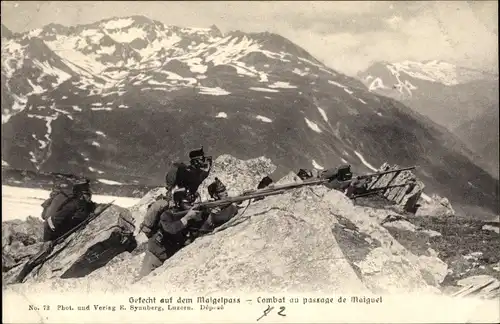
x,y
19,203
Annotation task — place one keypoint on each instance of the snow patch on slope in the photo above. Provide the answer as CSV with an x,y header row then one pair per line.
x,y
434,71
262,89
312,125
49,70
346,89
317,166
362,159
128,36
323,114
264,119
91,169
300,72
118,23
377,84
282,85
214,91
110,182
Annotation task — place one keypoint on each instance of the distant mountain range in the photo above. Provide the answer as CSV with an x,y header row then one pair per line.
x,y
463,100
124,97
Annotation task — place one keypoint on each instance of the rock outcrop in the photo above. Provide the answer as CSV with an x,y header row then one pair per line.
x,y
407,193
436,206
86,250
20,240
482,286
406,190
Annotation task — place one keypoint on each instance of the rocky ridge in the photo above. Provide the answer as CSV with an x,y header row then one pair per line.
x,y
306,240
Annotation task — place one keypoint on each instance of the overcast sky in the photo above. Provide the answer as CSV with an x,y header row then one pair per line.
x,y
347,36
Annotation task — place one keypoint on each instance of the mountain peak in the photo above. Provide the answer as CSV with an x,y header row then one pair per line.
x,y
448,94
127,21
438,71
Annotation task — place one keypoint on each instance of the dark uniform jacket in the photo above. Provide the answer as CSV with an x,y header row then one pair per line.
x,y
71,214
185,176
170,236
180,175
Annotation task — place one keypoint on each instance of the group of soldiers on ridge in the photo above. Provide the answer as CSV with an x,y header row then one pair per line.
x,y
167,233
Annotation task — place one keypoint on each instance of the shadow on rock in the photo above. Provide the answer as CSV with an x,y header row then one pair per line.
x,y
100,254
84,251
354,244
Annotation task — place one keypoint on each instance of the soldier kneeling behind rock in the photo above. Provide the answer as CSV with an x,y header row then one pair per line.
x,y
67,206
168,234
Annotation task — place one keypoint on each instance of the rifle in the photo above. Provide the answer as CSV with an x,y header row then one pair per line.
x,y
47,248
374,191
272,191
312,182
230,200
381,173
270,188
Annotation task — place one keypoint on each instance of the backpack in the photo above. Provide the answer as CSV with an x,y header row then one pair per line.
x,y
61,194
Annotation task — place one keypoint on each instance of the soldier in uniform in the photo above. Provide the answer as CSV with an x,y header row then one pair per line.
x,y
65,210
180,177
166,234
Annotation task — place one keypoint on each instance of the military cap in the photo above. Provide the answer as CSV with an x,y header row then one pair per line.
x,y
195,154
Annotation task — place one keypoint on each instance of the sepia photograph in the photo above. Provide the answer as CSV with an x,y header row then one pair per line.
x,y
250,161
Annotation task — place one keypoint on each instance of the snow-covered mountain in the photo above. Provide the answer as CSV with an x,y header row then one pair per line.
x,y
124,97
449,95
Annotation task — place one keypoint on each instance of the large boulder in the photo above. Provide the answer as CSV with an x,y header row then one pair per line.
x,y
481,286
435,206
406,190
20,240
389,267
84,251
238,175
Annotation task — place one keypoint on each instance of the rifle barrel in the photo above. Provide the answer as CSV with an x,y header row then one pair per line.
x,y
230,200
377,190
288,186
386,172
